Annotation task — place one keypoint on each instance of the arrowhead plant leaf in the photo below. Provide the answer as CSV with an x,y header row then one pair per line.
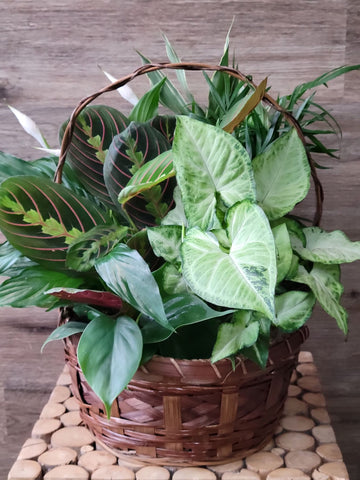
x,y
244,276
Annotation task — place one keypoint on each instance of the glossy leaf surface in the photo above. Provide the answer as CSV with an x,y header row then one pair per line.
x,y
64,331
109,353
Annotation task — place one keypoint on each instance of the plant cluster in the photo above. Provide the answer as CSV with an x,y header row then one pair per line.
x,y
175,234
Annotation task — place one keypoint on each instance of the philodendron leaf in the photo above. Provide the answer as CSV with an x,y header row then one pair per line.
x,y
166,241
210,165
29,288
293,309
233,337
64,331
282,175
109,353
148,176
327,247
92,245
284,253
243,277
129,151
324,281
129,276
181,310
147,107
89,297
41,219
94,130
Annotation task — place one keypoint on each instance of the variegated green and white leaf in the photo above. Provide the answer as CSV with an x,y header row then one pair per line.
x,y
243,277
176,216
282,175
283,251
324,281
166,241
327,247
210,165
293,309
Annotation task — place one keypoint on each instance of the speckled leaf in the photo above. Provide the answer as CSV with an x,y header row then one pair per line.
x,y
166,241
293,309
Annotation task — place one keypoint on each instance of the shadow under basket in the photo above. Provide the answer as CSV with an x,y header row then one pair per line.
x,y
191,412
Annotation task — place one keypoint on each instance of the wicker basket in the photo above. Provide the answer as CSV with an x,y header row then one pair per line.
x,y
178,412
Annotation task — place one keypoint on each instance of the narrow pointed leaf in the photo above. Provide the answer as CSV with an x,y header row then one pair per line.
x,y
327,247
147,107
41,218
148,176
127,274
94,130
109,353
282,175
129,151
324,281
242,278
64,331
125,91
89,297
209,163
29,126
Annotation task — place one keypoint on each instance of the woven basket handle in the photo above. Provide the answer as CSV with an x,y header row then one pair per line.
x,y
151,67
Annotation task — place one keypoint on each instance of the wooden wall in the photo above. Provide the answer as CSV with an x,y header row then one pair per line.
x,y
49,56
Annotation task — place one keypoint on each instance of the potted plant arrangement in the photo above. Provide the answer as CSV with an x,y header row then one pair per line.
x,y
183,275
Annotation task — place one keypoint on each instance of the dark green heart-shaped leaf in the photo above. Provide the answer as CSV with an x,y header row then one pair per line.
x,y
94,131
64,331
41,218
109,353
129,276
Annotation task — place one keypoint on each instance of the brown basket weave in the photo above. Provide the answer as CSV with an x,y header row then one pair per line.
x,y
178,412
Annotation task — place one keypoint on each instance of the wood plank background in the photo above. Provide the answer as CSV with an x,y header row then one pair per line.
x,y
49,56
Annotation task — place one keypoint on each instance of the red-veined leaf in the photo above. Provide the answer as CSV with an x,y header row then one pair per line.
x,y
90,297
41,219
94,130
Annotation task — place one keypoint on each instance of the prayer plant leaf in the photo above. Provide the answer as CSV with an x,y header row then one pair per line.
x,y
148,176
89,297
41,218
129,151
92,245
165,124
109,353
327,247
94,130
126,273
293,309
181,309
282,175
29,288
324,281
211,166
241,277
64,331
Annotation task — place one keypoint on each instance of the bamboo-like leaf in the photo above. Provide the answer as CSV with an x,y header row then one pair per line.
x,y
41,218
210,164
249,105
327,247
94,130
324,281
127,274
109,353
92,245
243,277
129,151
282,175
148,176
147,107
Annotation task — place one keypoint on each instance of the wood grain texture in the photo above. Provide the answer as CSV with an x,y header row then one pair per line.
x,y
49,52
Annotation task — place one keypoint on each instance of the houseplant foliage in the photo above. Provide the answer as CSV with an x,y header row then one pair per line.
x,y
175,234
